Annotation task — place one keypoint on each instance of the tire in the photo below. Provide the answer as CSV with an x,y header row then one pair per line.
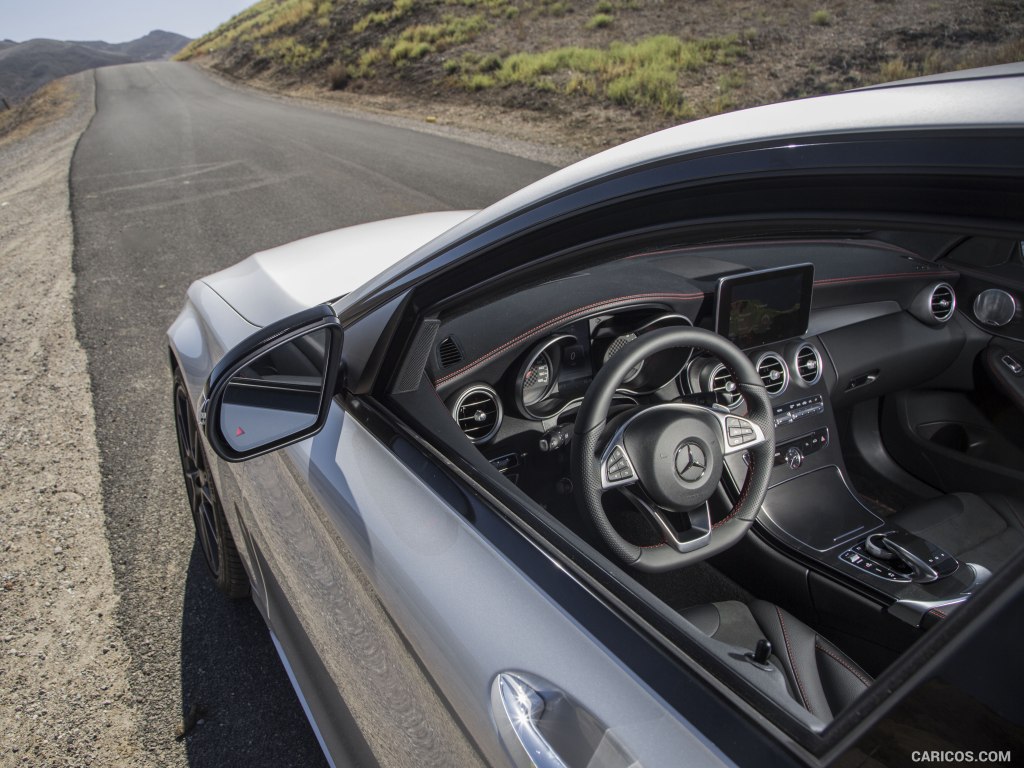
x,y
212,532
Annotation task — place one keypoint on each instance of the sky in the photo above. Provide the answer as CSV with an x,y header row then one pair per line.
x,y
114,21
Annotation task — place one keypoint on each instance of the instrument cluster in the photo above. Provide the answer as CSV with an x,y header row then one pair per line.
x,y
555,373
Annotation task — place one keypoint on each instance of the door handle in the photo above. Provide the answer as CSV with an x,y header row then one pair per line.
x,y
519,709
541,727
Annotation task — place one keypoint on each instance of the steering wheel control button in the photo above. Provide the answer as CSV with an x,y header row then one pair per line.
x,y
617,467
740,431
798,409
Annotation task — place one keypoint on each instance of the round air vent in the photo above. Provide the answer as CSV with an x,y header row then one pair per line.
x,y
724,386
935,304
808,364
477,411
773,372
942,302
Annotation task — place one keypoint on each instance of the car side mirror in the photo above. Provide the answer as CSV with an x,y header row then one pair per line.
x,y
275,388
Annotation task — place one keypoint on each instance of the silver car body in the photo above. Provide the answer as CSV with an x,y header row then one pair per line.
x,y
352,555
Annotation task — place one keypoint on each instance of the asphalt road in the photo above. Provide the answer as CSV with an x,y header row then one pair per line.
x,y
178,176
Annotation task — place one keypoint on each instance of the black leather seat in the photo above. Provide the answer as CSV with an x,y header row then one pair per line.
x,y
986,529
819,676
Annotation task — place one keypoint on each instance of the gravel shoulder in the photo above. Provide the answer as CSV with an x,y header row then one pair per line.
x,y
65,698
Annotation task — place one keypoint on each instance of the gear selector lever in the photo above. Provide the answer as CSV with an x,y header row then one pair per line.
x,y
926,561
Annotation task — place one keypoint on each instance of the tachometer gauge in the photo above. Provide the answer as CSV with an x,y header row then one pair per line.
x,y
537,379
615,347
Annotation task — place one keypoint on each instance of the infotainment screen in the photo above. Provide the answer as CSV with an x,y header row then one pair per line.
x,y
755,308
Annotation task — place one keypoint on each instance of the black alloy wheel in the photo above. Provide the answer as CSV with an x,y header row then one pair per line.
x,y
212,532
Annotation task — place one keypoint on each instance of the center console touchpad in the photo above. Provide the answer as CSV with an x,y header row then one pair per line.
x,y
818,510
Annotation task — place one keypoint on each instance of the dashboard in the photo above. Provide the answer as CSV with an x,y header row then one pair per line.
x,y
825,323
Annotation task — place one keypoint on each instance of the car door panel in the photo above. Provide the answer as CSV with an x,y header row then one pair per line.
x,y
325,600
366,529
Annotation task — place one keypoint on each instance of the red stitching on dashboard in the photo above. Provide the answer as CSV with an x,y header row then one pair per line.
x,y
937,612
870,244
892,275
789,652
560,319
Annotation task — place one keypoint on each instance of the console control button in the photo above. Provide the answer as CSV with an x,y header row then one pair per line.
x,y
867,565
794,458
806,445
798,409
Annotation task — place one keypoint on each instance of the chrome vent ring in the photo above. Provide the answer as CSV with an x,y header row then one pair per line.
x,y
477,411
942,302
808,364
723,386
773,372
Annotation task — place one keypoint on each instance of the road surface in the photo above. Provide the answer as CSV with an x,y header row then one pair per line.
x,y
178,176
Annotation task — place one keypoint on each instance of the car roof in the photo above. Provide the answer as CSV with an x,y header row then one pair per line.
x,y
988,98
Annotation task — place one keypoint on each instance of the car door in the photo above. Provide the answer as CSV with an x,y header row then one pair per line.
x,y
424,626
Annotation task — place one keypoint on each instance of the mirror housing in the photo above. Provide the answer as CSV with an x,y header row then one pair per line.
x,y
275,388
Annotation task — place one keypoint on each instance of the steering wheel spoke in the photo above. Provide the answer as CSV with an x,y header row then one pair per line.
x,y
693,537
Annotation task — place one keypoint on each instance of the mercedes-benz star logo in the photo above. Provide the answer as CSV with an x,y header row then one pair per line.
x,y
691,463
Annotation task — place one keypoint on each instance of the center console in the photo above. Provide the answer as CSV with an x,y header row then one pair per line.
x,y
812,512
812,523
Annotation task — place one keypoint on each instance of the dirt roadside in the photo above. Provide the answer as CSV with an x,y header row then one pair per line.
x,y
64,698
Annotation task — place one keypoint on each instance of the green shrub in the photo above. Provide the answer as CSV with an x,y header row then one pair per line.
x,y
821,18
600,21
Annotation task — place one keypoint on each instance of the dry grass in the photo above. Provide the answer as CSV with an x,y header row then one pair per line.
x,y
645,74
49,103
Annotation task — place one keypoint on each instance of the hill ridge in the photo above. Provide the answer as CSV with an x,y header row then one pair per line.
x,y
26,66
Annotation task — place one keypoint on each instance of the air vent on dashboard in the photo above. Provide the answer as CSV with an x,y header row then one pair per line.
x,y
808,364
934,304
773,372
448,353
724,386
477,411
942,302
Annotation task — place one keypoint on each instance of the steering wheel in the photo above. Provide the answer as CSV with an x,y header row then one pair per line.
x,y
667,459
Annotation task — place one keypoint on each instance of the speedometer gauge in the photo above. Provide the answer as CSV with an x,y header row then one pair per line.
x,y
537,379
617,346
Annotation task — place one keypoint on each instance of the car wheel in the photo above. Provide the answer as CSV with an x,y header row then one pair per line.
x,y
212,532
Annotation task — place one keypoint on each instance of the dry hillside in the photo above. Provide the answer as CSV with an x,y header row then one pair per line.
x,y
603,70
